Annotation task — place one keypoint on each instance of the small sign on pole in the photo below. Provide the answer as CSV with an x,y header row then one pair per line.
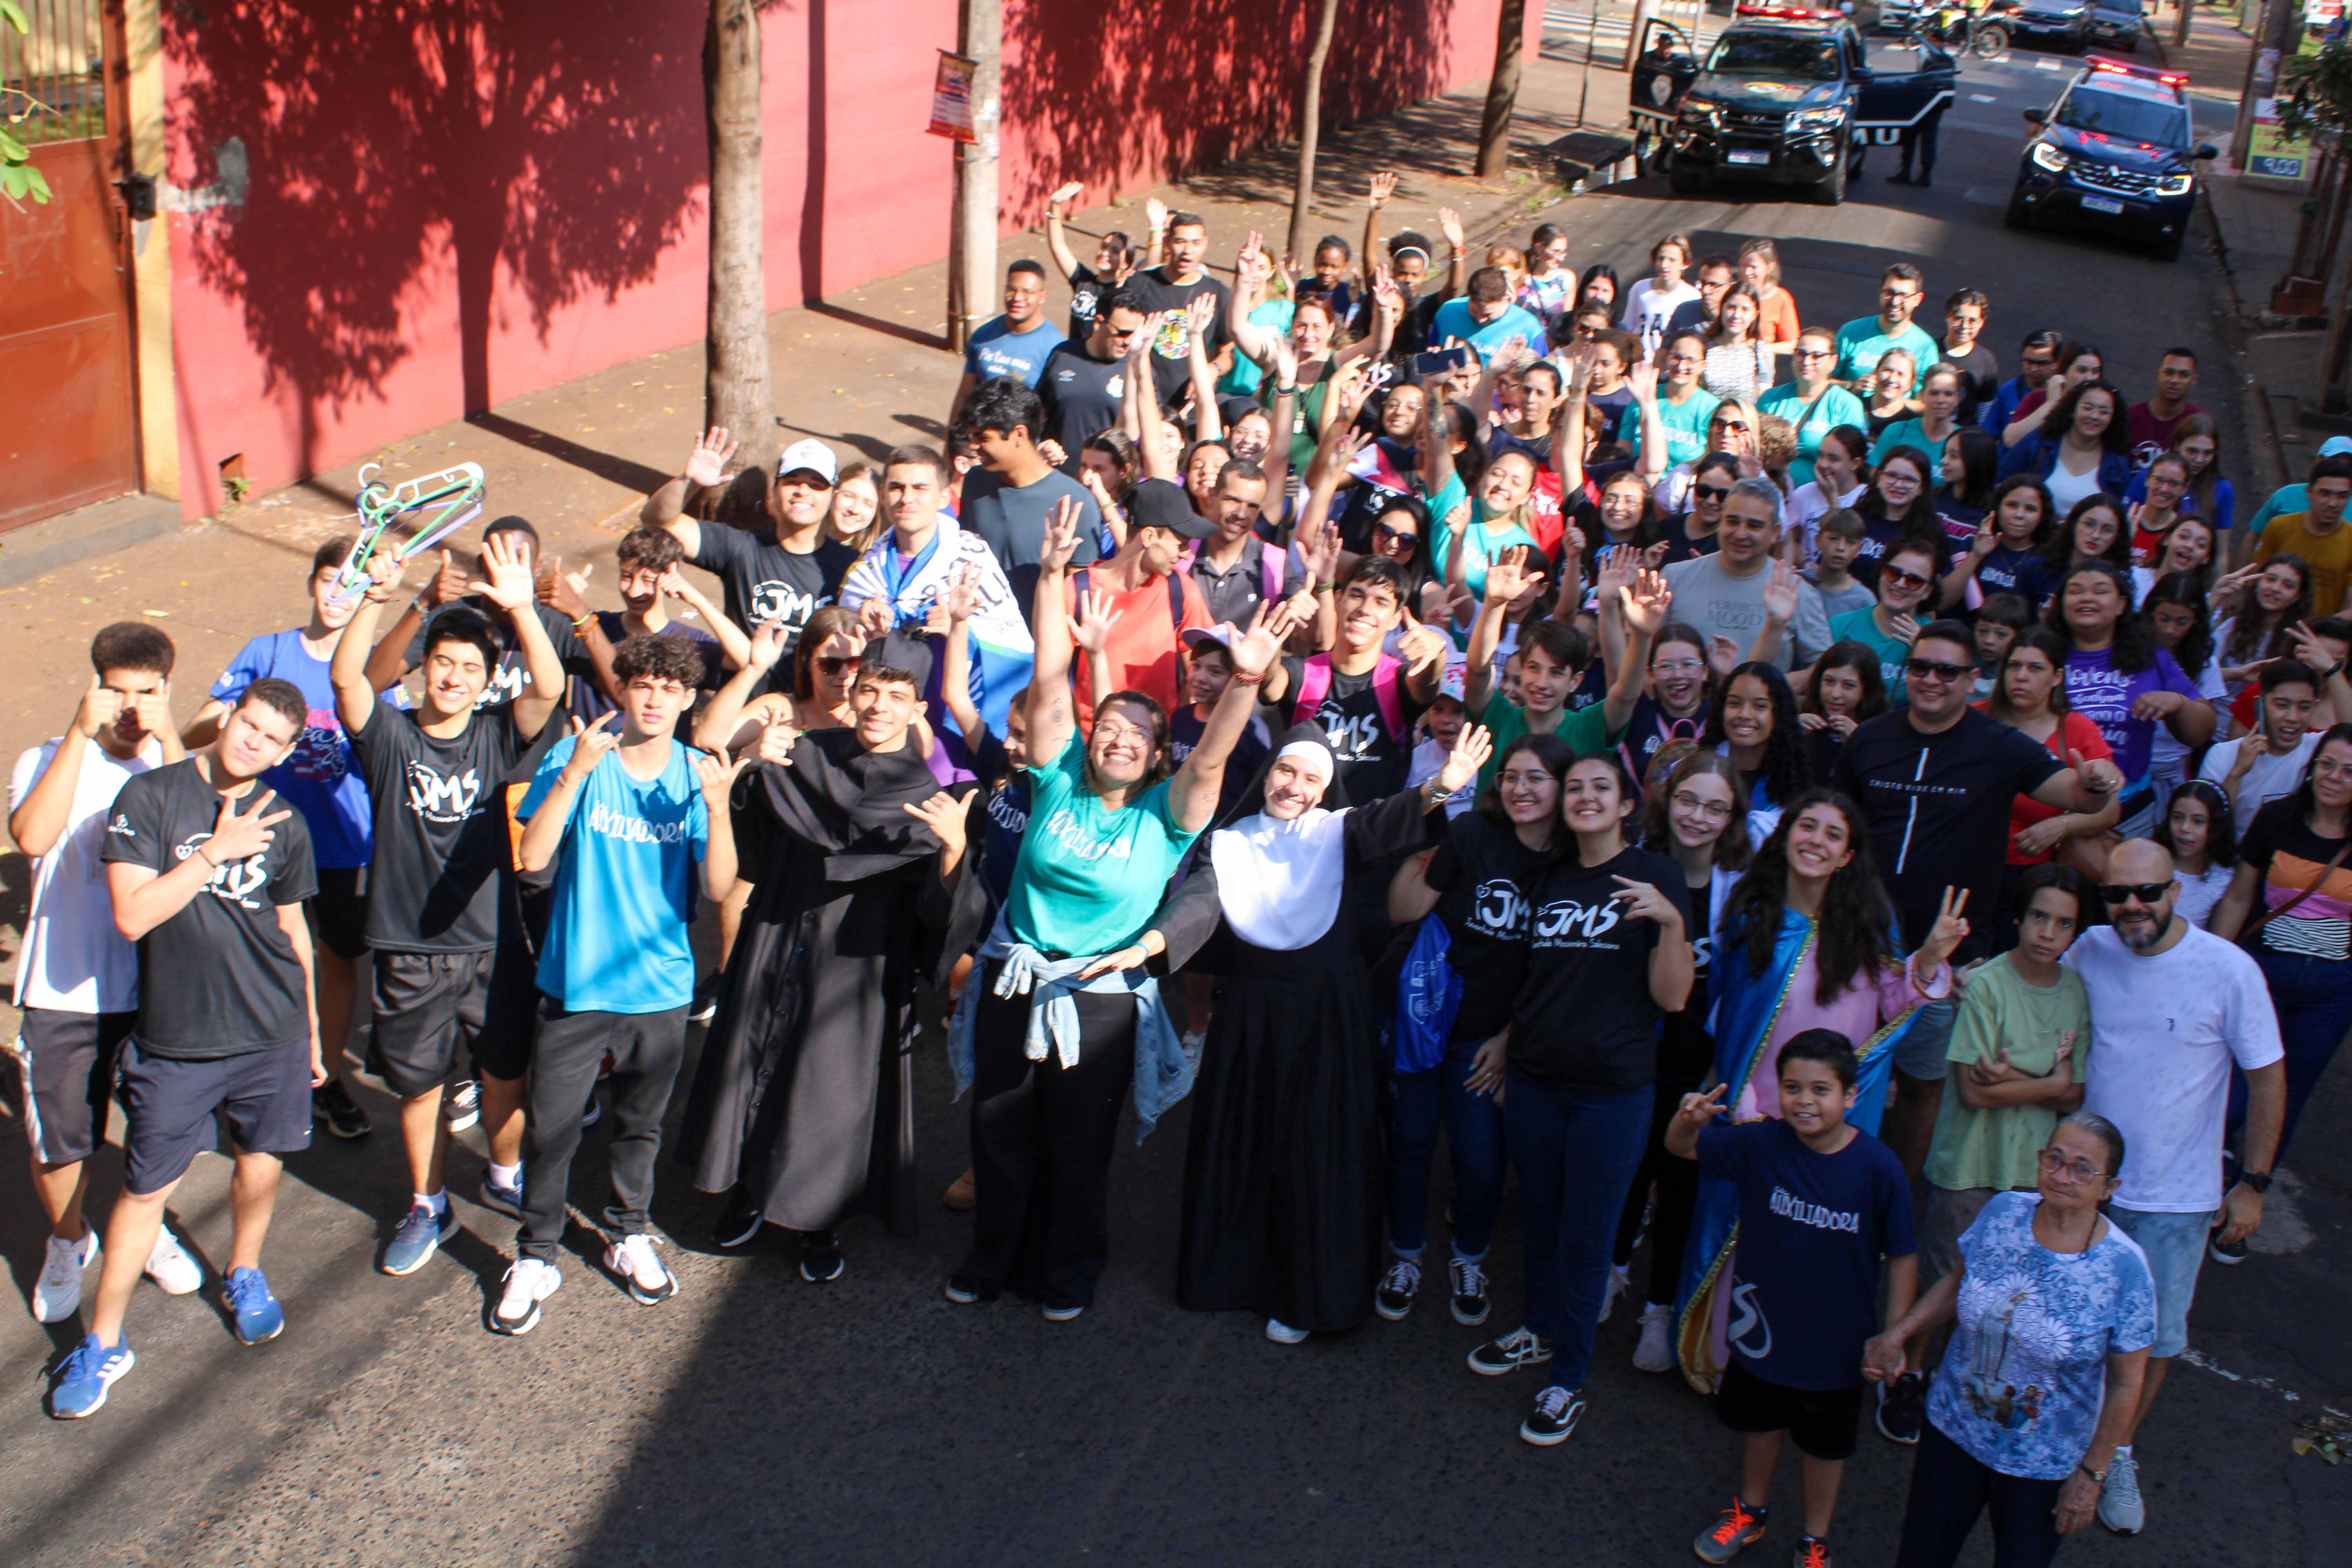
x,y
951,99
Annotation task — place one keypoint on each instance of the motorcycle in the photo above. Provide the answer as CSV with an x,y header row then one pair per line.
x,y
1960,29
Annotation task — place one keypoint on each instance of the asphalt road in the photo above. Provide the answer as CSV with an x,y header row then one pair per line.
x,y
756,1418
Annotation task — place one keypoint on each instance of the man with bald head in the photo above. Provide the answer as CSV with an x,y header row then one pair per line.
x,y
2173,1006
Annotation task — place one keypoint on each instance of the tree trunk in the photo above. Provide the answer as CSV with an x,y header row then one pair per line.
x,y
1502,91
2180,24
736,389
972,277
1311,126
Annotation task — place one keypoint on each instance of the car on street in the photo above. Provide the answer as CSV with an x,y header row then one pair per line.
x,y
2117,152
2080,24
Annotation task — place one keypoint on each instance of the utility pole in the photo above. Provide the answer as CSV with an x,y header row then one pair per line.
x,y
2262,63
971,244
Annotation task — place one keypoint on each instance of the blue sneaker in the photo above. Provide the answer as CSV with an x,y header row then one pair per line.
x,y
256,1311
79,1386
505,1200
420,1235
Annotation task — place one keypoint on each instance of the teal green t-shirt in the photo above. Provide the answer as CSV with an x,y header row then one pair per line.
x,y
1241,379
1861,345
1909,433
1685,425
1480,545
1833,408
1860,625
1586,730
1089,880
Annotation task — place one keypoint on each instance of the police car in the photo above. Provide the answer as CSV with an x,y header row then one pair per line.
x,y
1782,96
2118,150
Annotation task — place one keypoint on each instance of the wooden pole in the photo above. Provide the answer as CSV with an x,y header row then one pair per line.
x,y
971,244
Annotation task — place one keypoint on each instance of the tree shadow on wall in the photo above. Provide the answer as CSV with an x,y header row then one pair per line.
x,y
1099,91
538,152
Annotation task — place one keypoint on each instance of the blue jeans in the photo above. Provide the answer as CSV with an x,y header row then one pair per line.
x,y
2313,998
1576,1155
1419,1104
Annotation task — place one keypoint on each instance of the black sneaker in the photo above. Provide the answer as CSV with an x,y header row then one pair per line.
x,y
2232,1253
821,1258
739,1223
1554,1416
333,1105
1902,1407
1469,1283
1515,1350
1392,1299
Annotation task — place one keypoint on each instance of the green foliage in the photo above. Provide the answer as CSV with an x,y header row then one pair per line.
x,y
2315,93
19,180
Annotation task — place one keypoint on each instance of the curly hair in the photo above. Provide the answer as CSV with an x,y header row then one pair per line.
x,y
1854,932
1788,764
657,656
2115,437
2058,551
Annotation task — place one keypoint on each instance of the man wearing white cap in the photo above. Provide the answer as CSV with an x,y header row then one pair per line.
x,y
783,571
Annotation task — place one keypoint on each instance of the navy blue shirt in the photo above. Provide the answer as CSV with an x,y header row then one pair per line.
x,y
1804,1290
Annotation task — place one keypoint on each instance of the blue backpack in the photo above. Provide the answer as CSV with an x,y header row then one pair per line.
x,y
1428,995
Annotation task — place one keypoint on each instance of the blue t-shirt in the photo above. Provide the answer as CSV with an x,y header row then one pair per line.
x,y
321,779
1007,813
2026,1371
2009,570
1089,880
1804,1292
625,885
1454,321
995,349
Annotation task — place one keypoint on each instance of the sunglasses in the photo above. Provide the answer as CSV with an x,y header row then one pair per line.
x,y
1710,492
1394,535
2150,893
1737,427
827,665
1918,667
1896,574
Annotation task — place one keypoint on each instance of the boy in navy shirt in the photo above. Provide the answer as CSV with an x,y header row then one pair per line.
x,y
624,818
1819,1202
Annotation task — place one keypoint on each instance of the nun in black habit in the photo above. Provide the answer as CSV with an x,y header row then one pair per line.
x,y
1282,1179
802,1106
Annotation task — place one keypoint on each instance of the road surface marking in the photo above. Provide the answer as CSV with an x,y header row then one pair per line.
x,y
2048,66
1982,98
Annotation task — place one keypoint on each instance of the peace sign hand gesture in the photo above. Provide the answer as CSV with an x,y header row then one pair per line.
x,y
241,837
1950,930
1698,1109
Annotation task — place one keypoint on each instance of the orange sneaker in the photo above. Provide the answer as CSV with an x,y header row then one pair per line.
x,y
1722,1540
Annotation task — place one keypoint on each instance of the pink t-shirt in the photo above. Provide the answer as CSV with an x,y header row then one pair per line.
x,y
1858,1012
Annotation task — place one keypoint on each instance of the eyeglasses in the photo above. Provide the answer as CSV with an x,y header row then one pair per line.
x,y
1921,668
1900,578
1710,492
1817,354
1713,810
1679,667
2120,893
2039,361
827,665
1113,730
1898,293
2054,1163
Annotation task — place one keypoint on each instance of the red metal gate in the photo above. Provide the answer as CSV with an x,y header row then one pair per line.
x,y
67,431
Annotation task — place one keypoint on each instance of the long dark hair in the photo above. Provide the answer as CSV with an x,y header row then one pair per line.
x,y
2115,437
2048,644
1855,934
1552,754
1919,517
2250,637
2049,524
2194,651
1979,467
2058,551
1732,851
1788,765
1862,659
1616,288
2133,648
2200,486
2303,802
2221,827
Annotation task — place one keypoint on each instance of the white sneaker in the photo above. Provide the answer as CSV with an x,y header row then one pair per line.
x,y
528,1282
170,1265
639,1267
1282,1333
56,1294
1617,1279
462,1107
1656,1350
2121,1507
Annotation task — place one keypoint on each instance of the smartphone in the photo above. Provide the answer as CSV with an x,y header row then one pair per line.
x,y
1441,361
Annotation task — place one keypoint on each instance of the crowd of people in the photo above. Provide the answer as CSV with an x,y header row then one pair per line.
x,y
1870,824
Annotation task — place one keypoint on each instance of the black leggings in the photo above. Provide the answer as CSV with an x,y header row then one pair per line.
x,y
1950,1487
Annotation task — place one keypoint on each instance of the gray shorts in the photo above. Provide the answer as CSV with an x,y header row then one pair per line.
x,y
2175,1245
1921,1053
68,1060
1950,1212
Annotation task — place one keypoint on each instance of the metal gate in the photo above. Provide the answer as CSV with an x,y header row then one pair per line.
x,y
68,430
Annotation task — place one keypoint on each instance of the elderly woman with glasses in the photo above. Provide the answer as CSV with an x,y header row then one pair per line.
x,y
2053,1311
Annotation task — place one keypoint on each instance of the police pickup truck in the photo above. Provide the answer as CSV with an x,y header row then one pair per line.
x,y
1783,96
2117,152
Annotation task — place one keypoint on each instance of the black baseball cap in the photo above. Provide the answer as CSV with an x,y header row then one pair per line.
x,y
1162,504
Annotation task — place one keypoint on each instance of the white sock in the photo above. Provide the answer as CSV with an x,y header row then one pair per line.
x,y
506,1176
2125,1449
437,1202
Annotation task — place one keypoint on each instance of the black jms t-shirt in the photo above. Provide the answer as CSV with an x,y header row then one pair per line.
x,y
1585,1020
1483,877
1373,759
761,581
220,978
512,677
443,880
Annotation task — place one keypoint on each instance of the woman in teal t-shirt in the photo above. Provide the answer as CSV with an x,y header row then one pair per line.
x,y
1107,828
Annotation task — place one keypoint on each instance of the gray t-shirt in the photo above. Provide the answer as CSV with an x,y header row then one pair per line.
x,y
1716,603
1837,602
1011,519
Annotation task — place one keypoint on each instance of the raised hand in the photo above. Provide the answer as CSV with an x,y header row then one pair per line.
x,y
1698,1109
1255,651
1644,901
100,707
1422,645
1285,362
1090,627
1645,603
1616,578
589,744
1449,223
1472,747
706,465
1155,213
448,584
777,739
716,778
1199,316
1353,387
154,710
876,616
1987,541
1644,379
1251,257
962,598
567,591
1950,930
1061,540
1388,300
241,837
1722,656
1065,193
1383,187
1506,575
943,815
1781,594
506,579
1319,553
767,645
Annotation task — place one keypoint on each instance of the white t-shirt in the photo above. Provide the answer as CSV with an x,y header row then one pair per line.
x,y
2266,780
1649,306
2067,488
2164,1029
74,959
2168,757
2199,891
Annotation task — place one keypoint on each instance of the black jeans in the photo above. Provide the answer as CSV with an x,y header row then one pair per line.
x,y
1678,1183
1042,1137
647,1049
1949,1486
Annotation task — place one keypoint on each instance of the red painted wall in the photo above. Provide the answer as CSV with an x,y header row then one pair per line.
x,y
391,212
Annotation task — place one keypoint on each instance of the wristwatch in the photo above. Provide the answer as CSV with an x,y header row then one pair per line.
x,y
2258,1180
2097,1477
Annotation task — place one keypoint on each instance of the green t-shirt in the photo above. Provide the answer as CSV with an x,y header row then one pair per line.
x,y
1089,880
1586,730
1685,424
1862,627
1242,378
1861,345
1997,1148
1833,408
